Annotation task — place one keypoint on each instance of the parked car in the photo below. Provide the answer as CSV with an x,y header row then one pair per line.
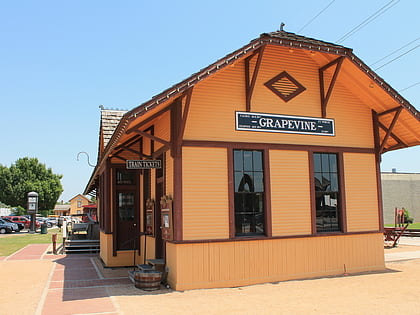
x,y
21,226
24,220
43,220
7,227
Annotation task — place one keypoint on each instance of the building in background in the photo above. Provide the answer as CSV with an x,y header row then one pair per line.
x,y
77,203
400,190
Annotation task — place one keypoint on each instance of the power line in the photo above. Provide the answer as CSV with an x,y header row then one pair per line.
x,y
397,57
408,87
316,16
395,51
372,17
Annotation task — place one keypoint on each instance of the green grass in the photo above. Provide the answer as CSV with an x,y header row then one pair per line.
x,y
13,242
410,226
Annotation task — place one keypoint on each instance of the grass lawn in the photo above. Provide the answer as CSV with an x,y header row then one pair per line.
x,y
410,226
13,242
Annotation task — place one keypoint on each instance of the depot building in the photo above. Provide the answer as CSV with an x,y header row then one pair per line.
x,y
264,166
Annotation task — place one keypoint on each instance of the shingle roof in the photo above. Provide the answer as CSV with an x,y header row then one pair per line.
x,y
305,41
109,121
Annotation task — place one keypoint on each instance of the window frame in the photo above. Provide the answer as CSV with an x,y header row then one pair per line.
x,y
341,211
266,195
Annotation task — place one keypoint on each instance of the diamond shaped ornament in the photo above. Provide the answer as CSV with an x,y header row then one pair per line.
x,y
285,86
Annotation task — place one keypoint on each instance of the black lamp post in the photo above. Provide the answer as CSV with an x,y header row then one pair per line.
x,y
32,209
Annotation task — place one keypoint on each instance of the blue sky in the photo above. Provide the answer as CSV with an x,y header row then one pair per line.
x,y
60,60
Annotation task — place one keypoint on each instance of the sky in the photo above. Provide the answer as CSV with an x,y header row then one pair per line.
x,y
61,60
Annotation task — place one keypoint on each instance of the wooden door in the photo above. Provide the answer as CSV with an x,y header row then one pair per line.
x,y
127,210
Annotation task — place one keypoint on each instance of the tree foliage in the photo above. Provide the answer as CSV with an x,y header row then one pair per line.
x,y
27,175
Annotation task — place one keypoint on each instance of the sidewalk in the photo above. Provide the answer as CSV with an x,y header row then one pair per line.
x,y
79,284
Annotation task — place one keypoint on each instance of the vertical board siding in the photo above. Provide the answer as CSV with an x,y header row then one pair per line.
x,y
169,175
205,193
162,129
361,192
290,193
211,265
215,100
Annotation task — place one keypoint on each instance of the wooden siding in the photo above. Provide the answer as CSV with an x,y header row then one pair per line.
x,y
162,129
290,193
169,175
215,100
205,193
126,257
361,192
231,264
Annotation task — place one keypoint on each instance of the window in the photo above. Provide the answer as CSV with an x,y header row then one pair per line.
x,y
249,192
79,204
327,192
125,177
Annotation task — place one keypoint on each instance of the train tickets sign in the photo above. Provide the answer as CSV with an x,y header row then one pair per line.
x,y
247,121
143,164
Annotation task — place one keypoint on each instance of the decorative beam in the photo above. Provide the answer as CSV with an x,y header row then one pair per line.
x,y
176,122
325,97
250,82
144,122
389,111
148,135
185,115
388,130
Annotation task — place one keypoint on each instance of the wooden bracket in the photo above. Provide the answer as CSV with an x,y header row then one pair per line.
x,y
325,97
250,82
388,130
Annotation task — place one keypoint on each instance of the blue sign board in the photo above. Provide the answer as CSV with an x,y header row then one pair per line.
x,y
247,121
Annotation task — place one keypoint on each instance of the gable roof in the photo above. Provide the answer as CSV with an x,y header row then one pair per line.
x,y
79,196
329,52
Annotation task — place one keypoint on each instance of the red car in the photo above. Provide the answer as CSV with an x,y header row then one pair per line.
x,y
22,219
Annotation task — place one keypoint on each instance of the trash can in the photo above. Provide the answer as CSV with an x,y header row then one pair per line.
x,y
44,228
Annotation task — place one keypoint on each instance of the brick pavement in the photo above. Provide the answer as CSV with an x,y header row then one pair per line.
x,y
75,284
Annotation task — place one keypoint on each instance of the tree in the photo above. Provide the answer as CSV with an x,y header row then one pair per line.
x,y
27,175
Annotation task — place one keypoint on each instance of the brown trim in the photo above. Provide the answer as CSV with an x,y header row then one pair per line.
x,y
342,187
274,146
268,224
267,195
113,208
312,191
390,128
400,143
262,238
160,151
326,97
379,193
144,122
175,127
185,114
231,193
249,86
389,111
154,138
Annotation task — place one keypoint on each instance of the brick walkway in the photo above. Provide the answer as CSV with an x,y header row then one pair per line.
x,y
75,284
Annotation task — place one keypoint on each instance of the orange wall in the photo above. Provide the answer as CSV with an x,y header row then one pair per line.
x,y
361,196
231,264
290,193
205,193
215,100
125,257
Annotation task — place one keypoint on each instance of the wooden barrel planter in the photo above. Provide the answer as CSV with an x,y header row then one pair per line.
x,y
147,280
